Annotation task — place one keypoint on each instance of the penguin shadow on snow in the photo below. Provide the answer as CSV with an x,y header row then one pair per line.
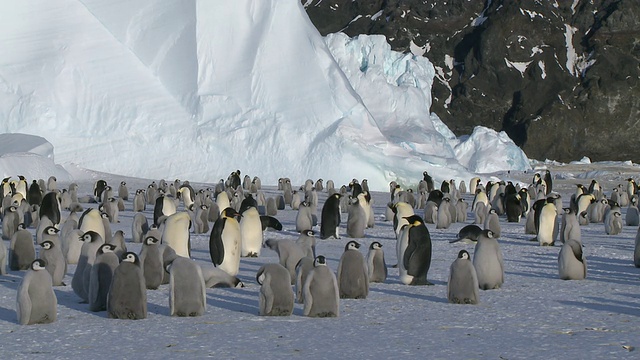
x,y
233,302
71,301
623,308
410,295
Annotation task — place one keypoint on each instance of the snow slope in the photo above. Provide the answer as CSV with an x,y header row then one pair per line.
x,y
534,315
109,83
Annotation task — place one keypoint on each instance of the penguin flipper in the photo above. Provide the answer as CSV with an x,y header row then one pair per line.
x,y
23,305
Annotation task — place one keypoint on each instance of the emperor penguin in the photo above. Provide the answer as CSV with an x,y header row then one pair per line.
x,y
45,227
492,222
100,277
353,274
98,189
461,210
428,180
123,192
225,242
401,212
139,227
376,266
164,207
36,302
71,245
110,207
468,234
462,188
548,180
365,201
321,298
91,220
91,243
34,195
139,202
303,267
201,219
289,254
176,235
431,212
251,232
187,295
187,195
632,218
10,222
572,265
414,252
569,228
152,262
56,265
295,200
223,202
545,217
22,252
330,220
513,207
462,287
444,214
276,297
304,217
357,218
480,212
613,222
127,297
488,261
216,278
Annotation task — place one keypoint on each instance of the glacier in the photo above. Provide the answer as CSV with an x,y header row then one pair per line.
x,y
196,89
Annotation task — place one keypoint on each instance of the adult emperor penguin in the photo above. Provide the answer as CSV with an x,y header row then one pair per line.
x,y
251,232
98,188
36,303
377,267
303,267
91,243
488,261
545,217
321,298
50,207
414,252
151,262
91,220
176,233
276,297
22,252
56,265
468,234
353,274
548,181
572,265
401,212
569,228
330,218
101,276
127,297
513,207
164,207
462,287
187,295
34,195
224,242
187,195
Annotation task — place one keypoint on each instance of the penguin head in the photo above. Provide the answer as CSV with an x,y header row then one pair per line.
x,y
320,261
106,248
352,245
151,240
131,257
260,276
21,226
463,254
90,236
488,233
12,208
375,245
230,213
47,245
38,264
104,215
309,233
123,183
51,230
414,220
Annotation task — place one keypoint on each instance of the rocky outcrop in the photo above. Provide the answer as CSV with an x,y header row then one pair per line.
x,y
560,77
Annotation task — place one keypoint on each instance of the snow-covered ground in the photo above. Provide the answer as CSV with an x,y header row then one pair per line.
x,y
534,314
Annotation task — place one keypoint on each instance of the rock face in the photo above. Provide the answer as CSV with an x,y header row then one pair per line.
x,y
560,77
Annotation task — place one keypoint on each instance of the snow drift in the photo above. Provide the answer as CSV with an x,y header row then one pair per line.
x,y
167,88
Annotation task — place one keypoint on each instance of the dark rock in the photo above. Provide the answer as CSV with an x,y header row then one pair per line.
x,y
559,107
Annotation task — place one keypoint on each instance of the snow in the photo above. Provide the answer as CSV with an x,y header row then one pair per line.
x,y
534,314
119,81
521,66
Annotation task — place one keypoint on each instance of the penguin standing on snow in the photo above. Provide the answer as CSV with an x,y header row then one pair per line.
x,y
414,257
330,218
462,287
276,296
375,263
488,261
572,265
353,274
224,242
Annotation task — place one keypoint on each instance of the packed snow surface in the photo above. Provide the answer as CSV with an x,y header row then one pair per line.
x,y
164,88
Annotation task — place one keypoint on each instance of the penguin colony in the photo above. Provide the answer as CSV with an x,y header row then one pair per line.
x,y
236,216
